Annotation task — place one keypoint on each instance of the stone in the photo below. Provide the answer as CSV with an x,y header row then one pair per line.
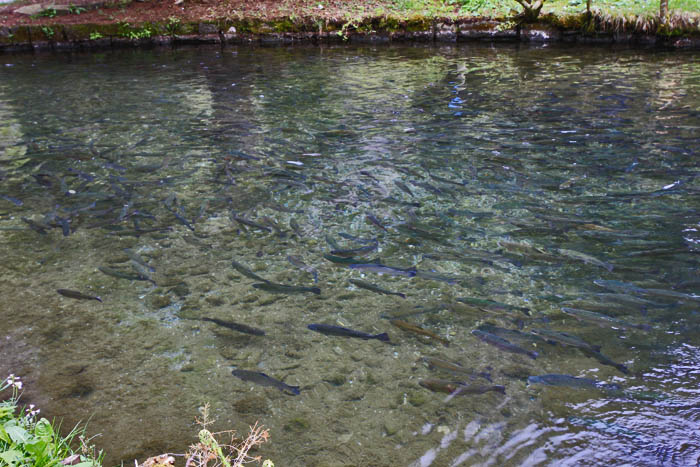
x,y
208,28
30,10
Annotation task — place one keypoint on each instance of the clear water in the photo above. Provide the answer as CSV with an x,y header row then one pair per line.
x,y
561,166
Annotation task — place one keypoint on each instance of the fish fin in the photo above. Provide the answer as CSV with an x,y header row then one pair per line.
x,y
384,337
98,299
316,290
402,295
501,389
294,390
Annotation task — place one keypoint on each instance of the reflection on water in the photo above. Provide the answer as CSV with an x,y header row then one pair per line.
x,y
500,212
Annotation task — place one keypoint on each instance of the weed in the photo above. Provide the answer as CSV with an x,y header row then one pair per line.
x,y
172,25
48,31
26,440
76,10
94,35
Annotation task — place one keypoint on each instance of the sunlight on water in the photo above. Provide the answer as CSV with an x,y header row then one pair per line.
x,y
522,223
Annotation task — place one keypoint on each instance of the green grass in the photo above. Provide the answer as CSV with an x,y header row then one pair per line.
x,y
27,440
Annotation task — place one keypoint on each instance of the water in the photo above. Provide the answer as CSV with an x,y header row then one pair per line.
x,y
518,175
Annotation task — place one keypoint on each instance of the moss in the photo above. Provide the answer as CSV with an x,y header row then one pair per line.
x,y
337,380
416,398
297,424
418,24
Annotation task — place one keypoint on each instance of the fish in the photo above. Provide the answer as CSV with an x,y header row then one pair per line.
x,y
402,186
77,295
565,339
142,272
235,326
356,251
281,288
121,274
414,328
569,381
374,288
246,271
382,269
585,258
345,332
35,226
503,344
511,334
263,380
348,260
603,359
15,201
298,262
458,387
373,219
252,224
601,319
493,306
453,367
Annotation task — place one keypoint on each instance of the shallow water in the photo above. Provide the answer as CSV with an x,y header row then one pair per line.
x,y
518,175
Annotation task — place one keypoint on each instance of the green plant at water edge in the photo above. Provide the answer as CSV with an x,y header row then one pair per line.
x,y
48,13
76,10
531,9
172,25
48,31
24,440
94,35
125,30
211,451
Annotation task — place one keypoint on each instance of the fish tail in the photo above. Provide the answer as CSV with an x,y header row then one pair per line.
x,y
501,389
315,290
532,354
596,348
400,294
384,337
294,390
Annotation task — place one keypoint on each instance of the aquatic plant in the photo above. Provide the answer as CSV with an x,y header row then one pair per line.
x,y
24,440
211,451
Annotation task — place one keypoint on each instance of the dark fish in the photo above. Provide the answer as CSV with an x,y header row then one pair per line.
x,y
493,306
603,359
246,271
235,326
15,201
356,251
77,295
371,217
453,367
281,288
602,320
414,328
345,332
565,380
297,261
252,224
122,275
402,186
349,260
503,344
36,227
374,288
458,387
363,241
565,339
382,269
135,257
263,380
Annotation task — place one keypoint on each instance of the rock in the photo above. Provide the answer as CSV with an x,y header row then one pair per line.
x,y
416,398
391,427
30,10
208,28
159,301
251,404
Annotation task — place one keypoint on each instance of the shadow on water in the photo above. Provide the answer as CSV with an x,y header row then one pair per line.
x,y
518,220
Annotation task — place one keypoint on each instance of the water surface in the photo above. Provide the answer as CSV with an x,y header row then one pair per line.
x,y
536,178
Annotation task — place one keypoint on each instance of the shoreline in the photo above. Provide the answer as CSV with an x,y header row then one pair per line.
x,y
550,29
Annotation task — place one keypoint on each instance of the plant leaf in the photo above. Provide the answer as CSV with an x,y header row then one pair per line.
x,y
43,429
17,434
12,456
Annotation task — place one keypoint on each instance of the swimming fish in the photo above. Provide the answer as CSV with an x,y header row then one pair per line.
x,y
235,326
383,269
503,344
374,288
281,288
345,332
77,295
414,328
458,387
263,380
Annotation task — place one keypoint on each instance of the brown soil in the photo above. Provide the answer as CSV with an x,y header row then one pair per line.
x,y
135,12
